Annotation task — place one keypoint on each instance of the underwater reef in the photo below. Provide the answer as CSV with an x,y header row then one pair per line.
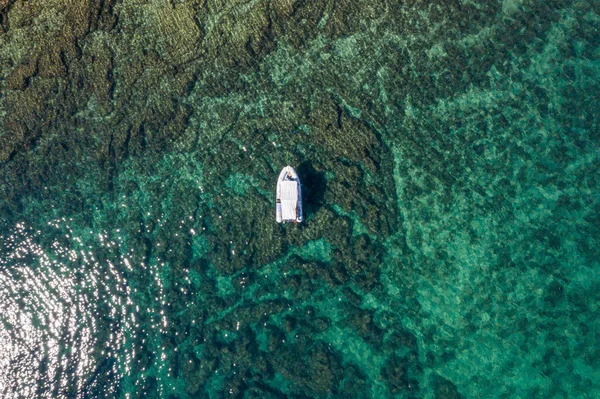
x,y
449,156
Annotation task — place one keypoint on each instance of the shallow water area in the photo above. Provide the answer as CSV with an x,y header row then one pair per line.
x,y
448,155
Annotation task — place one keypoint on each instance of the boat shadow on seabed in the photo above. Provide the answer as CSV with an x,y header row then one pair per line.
x,y
314,185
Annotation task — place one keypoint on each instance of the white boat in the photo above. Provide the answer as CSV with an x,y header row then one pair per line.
x,y
289,196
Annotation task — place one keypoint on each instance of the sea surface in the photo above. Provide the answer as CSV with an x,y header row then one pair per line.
x,y
449,156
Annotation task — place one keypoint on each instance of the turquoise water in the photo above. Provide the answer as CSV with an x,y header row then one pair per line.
x,y
449,157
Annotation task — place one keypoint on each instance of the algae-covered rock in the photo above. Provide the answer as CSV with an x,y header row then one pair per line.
x,y
444,388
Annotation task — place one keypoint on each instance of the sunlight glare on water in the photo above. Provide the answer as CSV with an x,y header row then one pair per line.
x,y
53,294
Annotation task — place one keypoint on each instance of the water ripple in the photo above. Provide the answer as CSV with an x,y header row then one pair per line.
x,y
61,309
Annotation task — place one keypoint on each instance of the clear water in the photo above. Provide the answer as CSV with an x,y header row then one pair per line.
x,y
449,159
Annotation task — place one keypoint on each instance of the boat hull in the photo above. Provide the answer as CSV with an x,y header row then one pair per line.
x,y
288,206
